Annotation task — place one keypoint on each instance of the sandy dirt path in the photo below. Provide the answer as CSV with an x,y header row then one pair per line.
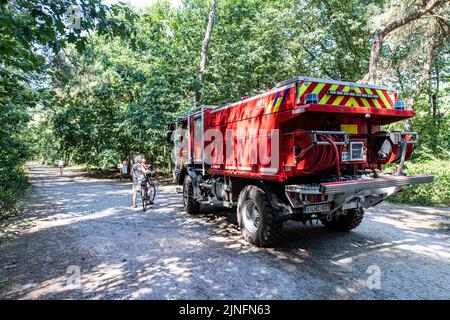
x,y
78,238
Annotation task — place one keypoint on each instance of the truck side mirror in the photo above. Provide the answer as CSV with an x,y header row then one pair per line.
x,y
171,126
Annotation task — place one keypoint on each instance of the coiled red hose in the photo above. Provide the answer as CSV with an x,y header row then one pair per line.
x,y
337,161
321,157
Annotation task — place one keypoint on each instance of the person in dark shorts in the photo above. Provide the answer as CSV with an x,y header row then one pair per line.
x,y
124,169
61,164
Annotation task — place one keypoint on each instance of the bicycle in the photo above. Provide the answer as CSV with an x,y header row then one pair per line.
x,y
148,191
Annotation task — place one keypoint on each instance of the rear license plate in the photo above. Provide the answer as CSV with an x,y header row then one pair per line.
x,y
317,208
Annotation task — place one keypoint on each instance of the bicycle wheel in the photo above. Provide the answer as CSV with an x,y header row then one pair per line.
x,y
151,192
156,183
144,198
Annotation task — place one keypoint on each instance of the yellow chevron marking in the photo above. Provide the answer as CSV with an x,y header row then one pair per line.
x,y
302,89
392,96
386,103
364,100
318,88
340,98
351,102
327,97
375,101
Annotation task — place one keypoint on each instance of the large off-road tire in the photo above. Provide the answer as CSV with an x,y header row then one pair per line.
x,y
191,205
256,219
345,222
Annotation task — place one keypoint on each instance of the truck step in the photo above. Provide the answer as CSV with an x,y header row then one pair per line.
x,y
354,186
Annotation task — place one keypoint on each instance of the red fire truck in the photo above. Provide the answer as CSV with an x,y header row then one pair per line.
x,y
307,150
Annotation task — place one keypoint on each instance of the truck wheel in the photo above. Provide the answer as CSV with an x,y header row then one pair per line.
x,y
256,219
191,205
346,222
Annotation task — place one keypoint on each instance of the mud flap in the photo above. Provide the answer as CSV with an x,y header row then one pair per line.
x,y
195,183
281,208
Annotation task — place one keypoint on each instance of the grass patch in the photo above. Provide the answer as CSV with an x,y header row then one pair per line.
x,y
4,282
442,226
436,193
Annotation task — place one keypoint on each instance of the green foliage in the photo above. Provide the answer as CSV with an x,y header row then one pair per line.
x,y
30,33
107,159
438,193
14,183
434,135
96,94
113,96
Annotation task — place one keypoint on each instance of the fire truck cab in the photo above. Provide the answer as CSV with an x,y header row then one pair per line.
x,y
307,149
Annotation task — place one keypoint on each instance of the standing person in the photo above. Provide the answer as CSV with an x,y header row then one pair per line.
x,y
61,164
124,169
138,171
144,164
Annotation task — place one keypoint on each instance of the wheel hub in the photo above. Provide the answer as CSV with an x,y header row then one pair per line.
x,y
251,216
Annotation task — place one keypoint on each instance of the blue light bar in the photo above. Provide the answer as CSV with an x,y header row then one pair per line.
x,y
312,98
399,105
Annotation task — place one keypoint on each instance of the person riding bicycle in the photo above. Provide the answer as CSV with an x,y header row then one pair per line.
x,y
138,171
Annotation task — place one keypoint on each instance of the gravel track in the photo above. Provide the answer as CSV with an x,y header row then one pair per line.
x,y
73,223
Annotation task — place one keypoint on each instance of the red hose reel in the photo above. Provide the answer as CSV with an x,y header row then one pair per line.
x,y
315,156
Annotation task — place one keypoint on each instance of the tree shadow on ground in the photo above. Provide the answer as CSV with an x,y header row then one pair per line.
x,y
166,254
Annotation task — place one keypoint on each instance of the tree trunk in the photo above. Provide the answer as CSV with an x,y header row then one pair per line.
x,y
204,53
426,70
373,64
381,34
436,94
425,77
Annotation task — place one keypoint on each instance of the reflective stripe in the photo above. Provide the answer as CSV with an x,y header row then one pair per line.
x,y
352,102
383,98
269,107
268,170
242,102
340,98
327,97
344,83
238,168
302,89
388,99
375,101
274,103
364,100
392,95
277,105
318,88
